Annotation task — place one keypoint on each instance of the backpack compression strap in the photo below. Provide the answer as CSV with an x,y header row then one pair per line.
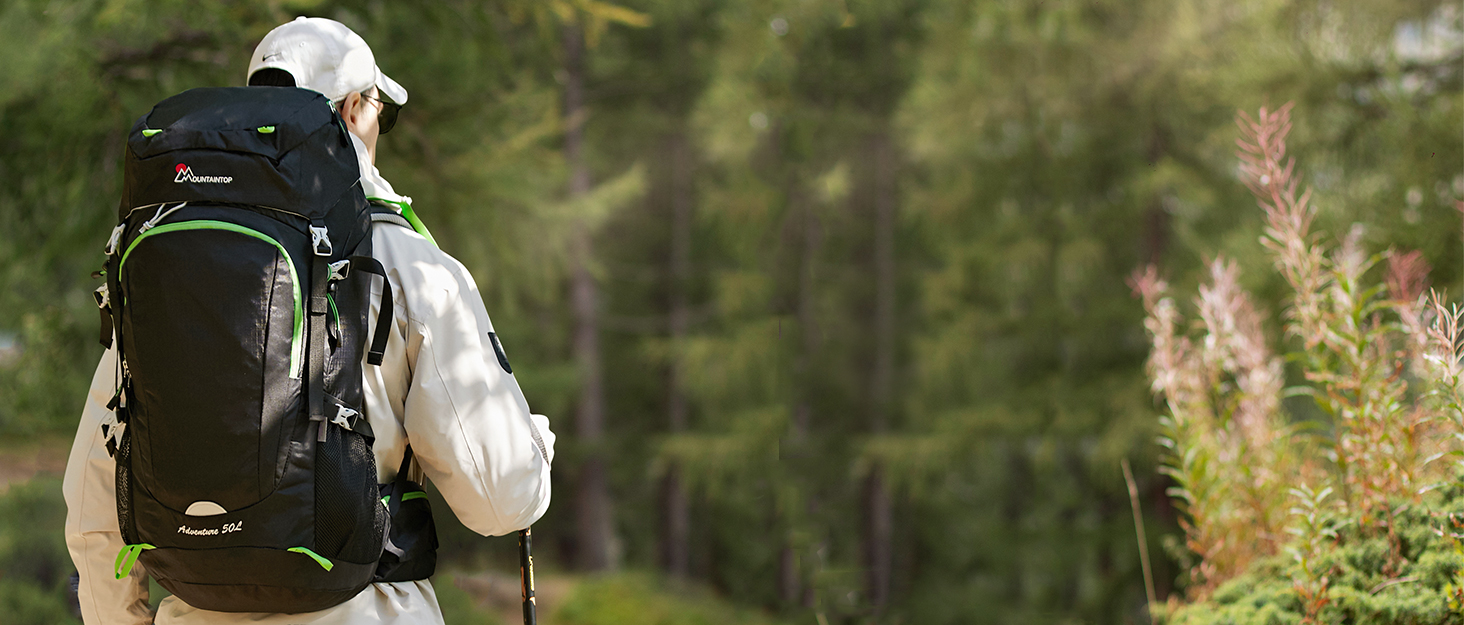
x,y
319,308
323,274
370,265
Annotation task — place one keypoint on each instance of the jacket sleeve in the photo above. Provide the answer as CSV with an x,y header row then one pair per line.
x,y
463,412
92,537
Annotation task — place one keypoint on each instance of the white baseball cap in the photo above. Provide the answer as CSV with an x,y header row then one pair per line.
x,y
325,56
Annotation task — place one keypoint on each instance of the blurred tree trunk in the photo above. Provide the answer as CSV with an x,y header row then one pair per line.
x,y
593,495
792,588
807,315
789,583
877,513
676,520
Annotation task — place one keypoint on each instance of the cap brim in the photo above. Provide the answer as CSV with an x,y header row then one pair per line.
x,y
390,88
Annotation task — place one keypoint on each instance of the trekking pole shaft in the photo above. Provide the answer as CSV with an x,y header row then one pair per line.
x,y
526,575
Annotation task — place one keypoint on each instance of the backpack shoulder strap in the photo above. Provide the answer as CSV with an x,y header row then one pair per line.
x,y
400,211
382,214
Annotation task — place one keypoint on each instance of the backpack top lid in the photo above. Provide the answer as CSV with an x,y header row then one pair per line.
x,y
279,147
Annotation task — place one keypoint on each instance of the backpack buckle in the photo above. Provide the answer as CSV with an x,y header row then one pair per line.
x,y
340,269
320,240
345,417
102,296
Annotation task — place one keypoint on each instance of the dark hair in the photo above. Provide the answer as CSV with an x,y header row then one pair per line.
x,y
271,77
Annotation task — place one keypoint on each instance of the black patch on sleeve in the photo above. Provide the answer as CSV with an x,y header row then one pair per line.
x,y
498,350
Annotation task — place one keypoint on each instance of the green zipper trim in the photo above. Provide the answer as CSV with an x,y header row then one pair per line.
x,y
150,132
208,224
265,129
324,563
416,494
128,557
406,210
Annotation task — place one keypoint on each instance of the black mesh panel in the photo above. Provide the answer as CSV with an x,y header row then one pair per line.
x,y
124,488
349,517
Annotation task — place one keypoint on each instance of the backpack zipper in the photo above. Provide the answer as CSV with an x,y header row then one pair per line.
x,y
296,338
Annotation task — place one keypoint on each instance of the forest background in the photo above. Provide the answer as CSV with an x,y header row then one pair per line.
x,y
825,298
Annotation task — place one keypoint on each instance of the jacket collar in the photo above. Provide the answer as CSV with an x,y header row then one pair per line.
x,y
372,183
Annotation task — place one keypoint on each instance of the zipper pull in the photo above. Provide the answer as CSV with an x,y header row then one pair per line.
x,y
334,330
333,327
157,217
115,240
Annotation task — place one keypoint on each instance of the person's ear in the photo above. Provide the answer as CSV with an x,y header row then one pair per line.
x,y
351,108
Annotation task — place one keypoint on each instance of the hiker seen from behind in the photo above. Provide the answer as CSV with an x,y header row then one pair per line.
x,y
289,358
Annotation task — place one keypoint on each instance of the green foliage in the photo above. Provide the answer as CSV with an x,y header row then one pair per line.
x,y
640,598
34,563
1399,574
458,607
29,604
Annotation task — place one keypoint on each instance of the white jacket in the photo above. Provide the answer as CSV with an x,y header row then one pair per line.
x,y
439,387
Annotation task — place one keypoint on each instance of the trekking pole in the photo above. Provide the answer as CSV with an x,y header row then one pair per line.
x,y
526,575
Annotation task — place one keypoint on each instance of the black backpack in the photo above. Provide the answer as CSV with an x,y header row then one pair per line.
x,y
237,285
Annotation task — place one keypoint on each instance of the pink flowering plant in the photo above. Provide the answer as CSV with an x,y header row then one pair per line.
x,y
1273,506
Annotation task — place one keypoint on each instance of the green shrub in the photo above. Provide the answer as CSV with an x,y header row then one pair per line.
x,y
1401,574
34,564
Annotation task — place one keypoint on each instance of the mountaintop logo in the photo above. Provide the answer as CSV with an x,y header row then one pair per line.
x,y
185,174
